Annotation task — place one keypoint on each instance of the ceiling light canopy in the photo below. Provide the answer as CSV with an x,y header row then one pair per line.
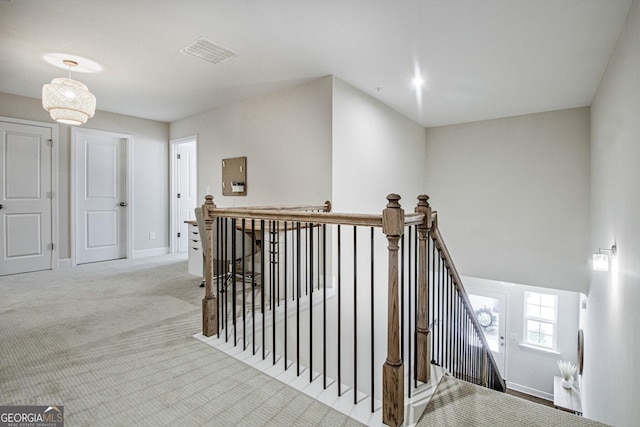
x,y
68,101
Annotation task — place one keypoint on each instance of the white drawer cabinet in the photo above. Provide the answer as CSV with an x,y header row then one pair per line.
x,y
195,250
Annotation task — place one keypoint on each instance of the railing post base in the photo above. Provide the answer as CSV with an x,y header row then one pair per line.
x,y
423,344
209,316
393,394
209,302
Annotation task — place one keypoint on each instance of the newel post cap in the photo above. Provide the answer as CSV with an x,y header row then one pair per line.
x,y
393,217
208,204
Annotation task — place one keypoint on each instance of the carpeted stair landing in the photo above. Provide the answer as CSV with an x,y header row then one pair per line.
x,y
459,403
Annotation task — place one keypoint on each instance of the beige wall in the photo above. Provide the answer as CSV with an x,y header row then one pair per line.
x,y
286,137
513,197
376,151
612,347
150,170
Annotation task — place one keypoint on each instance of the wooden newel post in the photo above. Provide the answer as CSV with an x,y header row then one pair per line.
x,y
393,369
423,336
209,302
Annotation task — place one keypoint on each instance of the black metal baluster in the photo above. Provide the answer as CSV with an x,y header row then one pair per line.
x,y
233,281
226,285
410,326
253,287
264,323
310,301
324,304
273,236
372,394
355,315
242,272
286,274
434,291
217,273
416,260
277,261
299,289
339,312
448,354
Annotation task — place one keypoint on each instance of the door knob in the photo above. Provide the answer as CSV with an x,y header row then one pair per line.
x,y
123,203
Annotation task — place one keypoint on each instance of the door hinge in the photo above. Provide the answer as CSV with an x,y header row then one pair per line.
x,y
178,156
50,141
178,234
51,246
51,194
178,195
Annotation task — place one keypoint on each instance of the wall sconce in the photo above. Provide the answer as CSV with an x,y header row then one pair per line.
x,y
601,261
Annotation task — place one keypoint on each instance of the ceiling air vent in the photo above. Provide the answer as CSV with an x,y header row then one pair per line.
x,y
209,51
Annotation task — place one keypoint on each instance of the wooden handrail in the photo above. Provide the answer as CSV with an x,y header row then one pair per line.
x,y
326,207
283,214
446,255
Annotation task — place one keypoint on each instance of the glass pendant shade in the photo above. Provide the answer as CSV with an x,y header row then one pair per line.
x,y
600,262
68,101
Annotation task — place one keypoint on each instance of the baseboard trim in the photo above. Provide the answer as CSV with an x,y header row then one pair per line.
x,y
528,390
142,253
65,263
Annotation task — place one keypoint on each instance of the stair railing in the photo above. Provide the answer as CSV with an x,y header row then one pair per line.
x,y
457,339
422,287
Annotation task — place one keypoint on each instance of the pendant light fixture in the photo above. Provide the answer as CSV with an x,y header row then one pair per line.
x,y
68,101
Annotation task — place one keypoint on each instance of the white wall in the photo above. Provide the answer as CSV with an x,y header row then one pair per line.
x,y
376,151
513,197
286,137
530,370
150,169
611,337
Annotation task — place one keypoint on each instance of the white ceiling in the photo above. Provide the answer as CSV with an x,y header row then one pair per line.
x,y
481,59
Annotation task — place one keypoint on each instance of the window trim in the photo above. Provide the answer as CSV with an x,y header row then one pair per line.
x,y
553,323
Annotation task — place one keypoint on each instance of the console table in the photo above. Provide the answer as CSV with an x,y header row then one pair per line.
x,y
567,399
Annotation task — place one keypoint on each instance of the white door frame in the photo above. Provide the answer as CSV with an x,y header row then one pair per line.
x,y
128,185
55,257
173,214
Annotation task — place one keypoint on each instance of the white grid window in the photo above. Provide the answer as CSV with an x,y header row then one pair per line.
x,y
540,319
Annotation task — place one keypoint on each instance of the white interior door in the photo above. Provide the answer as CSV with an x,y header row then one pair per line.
x,y
100,196
186,197
25,198
490,308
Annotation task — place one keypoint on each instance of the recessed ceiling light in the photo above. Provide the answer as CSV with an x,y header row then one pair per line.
x,y
418,82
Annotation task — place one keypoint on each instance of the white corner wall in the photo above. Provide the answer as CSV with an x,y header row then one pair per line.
x,y
286,137
612,348
376,151
150,170
513,197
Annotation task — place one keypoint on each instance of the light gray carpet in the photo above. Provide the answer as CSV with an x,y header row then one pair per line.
x,y
459,403
112,342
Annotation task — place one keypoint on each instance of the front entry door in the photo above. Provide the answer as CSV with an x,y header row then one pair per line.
x,y
25,198
490,309
100,196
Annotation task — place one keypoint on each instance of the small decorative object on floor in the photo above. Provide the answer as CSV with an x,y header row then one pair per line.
x,y
568,370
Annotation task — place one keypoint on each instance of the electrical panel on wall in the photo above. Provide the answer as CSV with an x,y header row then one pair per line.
x,y
234,176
